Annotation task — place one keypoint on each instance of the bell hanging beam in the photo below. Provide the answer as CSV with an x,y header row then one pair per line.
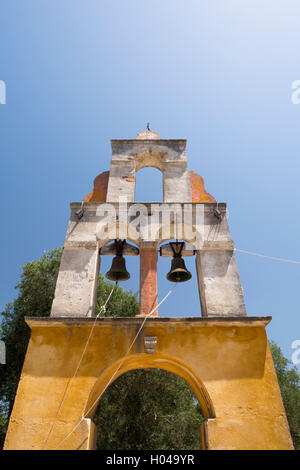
x,y
127,250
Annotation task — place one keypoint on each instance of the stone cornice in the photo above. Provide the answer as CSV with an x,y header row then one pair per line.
x,y
36,322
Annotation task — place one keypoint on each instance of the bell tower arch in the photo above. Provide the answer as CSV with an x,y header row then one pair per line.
x,y
223,354
148,149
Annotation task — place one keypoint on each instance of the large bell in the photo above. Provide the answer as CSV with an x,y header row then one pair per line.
x,y
118,271
178,272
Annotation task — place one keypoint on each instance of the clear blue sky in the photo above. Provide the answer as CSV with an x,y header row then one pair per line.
x,y
217,73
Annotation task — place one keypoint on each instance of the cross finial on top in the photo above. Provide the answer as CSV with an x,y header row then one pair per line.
x,y
147,134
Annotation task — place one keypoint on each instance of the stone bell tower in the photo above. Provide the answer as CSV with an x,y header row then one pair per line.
x,y
223,354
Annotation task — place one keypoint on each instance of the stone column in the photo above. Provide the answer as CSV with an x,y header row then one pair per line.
x,y
176,183
121,181
148,279
77,282
220,289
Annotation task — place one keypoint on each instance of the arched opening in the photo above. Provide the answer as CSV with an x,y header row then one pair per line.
x,y
152,361
148,409
184,300
149,185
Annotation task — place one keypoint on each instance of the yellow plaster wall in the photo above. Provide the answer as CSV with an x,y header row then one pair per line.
x,y
227,363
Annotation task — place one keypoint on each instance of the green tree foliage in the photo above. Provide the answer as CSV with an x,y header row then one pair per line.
x,y
121,303
36,291
145,409
289,383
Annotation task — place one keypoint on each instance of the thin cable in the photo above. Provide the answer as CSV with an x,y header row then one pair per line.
x,y
118,368
102,309
268,257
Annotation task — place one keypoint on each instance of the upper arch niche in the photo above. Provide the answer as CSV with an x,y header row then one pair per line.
x,y
149,158
148,150
168,156
149,185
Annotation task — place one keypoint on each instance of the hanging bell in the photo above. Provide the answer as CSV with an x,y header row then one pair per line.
x,y
118,271
178,272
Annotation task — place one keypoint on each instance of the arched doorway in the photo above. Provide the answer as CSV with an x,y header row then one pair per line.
x,y
148,409
154,361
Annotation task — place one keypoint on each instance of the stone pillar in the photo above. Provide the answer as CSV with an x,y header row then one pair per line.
x,y
148,279
176,183
77,282
220,289
121,181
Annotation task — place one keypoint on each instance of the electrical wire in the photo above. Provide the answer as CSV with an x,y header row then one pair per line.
x,y
118,368
285,260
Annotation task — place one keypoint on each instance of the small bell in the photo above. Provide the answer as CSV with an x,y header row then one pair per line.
x,y
178,271
118,271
